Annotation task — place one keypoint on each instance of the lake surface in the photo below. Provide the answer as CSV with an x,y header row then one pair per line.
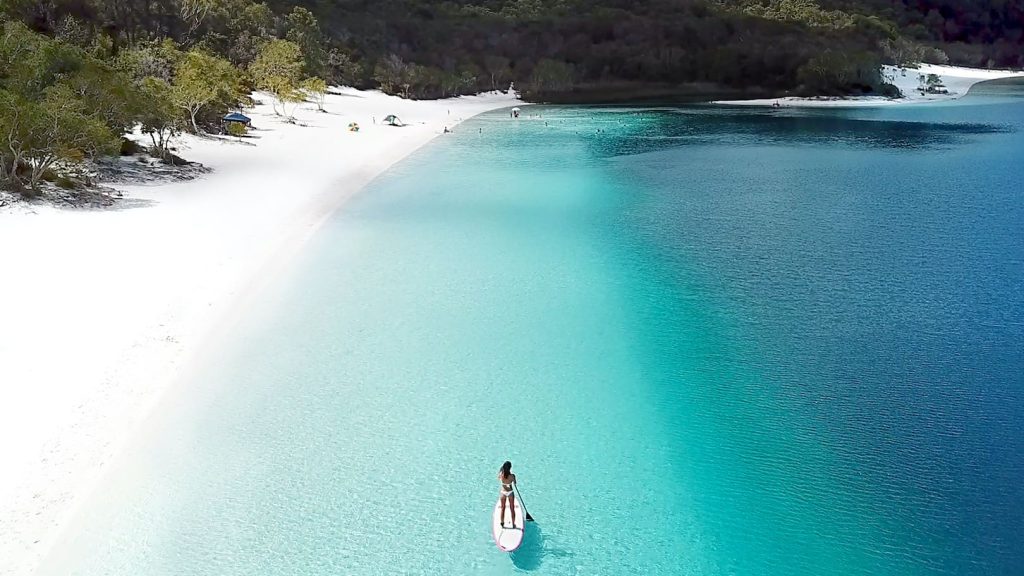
x,y
711,340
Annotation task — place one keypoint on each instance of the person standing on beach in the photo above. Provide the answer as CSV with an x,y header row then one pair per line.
x,y
507,480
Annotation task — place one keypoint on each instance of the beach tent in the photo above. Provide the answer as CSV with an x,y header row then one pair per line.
x,y
237,117
393,120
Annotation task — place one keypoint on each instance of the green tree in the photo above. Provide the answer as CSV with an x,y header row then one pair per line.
x,y
450,83
468,76
551,75
56,104
71,31
304,32
13,112
39,133
391,73
193,12
248,27
317,90
497,67
341,69
200,79
156,59
807,12
931,84
837,73
159,117
278,70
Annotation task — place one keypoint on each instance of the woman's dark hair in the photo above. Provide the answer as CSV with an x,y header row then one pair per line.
x,y
506,469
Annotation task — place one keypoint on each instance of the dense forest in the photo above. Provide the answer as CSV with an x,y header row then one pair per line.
x,y
76,74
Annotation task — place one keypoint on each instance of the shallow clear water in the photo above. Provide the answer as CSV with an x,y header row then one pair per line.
x,y
712,341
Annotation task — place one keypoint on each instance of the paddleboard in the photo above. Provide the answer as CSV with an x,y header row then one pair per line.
x,y
509,537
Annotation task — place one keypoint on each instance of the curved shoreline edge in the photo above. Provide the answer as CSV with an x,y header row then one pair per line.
x,y
112,307
957,81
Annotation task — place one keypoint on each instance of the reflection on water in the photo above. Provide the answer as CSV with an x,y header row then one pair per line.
x,y
618,131
700,127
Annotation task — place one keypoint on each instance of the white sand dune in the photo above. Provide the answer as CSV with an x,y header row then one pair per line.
x,y
956,80
101,310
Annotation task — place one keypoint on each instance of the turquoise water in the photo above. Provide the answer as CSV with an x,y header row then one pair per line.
x,y
711,340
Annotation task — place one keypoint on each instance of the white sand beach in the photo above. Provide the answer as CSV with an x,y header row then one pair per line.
x,y
101,310
956,81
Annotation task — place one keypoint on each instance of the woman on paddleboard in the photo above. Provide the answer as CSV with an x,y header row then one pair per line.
x,y
508,480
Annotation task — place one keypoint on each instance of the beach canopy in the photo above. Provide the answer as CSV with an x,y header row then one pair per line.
x,y
516,109
353,127
237,117
392,120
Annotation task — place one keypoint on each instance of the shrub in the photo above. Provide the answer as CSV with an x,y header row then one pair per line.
x,y
236,129
890,91
129,147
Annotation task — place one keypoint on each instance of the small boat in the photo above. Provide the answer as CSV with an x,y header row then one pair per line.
x,y
507,536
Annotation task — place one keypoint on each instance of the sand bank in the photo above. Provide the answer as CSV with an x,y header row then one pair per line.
x,y
102,310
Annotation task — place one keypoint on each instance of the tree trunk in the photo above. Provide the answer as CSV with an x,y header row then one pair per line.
x,y
37,173
18,187
192,114
17,184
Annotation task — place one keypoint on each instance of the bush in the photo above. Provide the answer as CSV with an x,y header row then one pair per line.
x,y
66,183
129,147
890,91
236,129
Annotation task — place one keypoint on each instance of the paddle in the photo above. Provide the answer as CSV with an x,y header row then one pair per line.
x,y
518,493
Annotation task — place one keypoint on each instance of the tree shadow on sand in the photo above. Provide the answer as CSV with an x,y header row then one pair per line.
x,y
535,549
344,94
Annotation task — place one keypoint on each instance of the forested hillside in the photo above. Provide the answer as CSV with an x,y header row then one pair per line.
x,y
75,74
431,48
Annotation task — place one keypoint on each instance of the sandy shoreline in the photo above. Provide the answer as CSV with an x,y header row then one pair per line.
x,y
957,82
103,310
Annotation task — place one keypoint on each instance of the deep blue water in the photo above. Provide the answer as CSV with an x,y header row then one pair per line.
x,y
712,341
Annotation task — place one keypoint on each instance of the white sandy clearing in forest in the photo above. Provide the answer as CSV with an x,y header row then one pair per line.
x,y
957,82
101,310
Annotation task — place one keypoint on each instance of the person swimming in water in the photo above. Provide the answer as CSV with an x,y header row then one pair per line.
x,y
507,480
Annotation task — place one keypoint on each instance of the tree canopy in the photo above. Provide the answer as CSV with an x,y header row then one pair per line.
x,y
56,103
558,49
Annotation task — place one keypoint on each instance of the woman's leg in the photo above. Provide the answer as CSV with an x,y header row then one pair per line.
x,y
503,499
512,505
